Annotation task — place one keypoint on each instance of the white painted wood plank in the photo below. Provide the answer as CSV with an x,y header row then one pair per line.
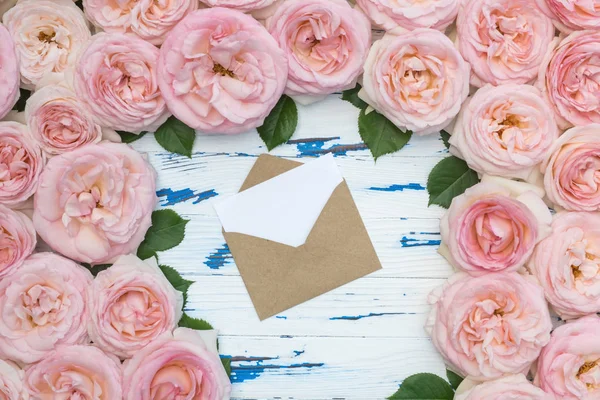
x,y
407,248
325,368
367,307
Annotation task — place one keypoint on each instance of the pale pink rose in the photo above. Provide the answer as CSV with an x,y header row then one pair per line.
x,y
9,79
572,171
410,14
489,326
49,35
95,203
567,264
494,226
515,387
5,5
21,163
75,372
59,122
116,77
569,366
504,40
11,382
17,239
240,5
42,305
326,42
418,80
132,304
186,363
568,77
505,130
151,20
572,15
220,71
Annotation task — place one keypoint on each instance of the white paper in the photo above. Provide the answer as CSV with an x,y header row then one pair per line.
x,y
285,208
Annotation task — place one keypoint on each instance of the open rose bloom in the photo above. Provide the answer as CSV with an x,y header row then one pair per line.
x,y
410,14
326,42
569,367
9,79
418,80
42,305
510,387
505,130
133,304
95,203
568,77
494,226
491,325
11,382
240,5
17,239
572,15
49,36
220,71
572,170
151,20
567,264
75,372
185,362
504,40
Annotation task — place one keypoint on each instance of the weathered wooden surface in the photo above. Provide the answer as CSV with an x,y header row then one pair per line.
x,y
357,342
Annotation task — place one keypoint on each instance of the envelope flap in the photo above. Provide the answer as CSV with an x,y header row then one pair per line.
x,y
285,208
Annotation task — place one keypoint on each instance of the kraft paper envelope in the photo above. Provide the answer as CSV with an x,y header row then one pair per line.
x,y
295,233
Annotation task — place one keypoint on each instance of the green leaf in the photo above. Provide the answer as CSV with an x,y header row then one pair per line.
x,y
380,135
227,365
128,137
193,323
176,280
280,124
448,179
24,95
166,232
176,137
454,379
351,95
96,269
424,387
445,138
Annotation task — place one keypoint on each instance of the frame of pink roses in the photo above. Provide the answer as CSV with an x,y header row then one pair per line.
x,y
87,311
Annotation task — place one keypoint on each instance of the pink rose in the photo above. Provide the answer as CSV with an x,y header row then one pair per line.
x,y
569,366
186,363
132,304
151,20
116,78
326,42
505,130
221,72
567,264
491,325
49,35
75,372
410,14
11,382
572,171
17,239
95,203
568,79
418,80
42,305
494,226
59,122
5,5
21,163
9,80
515,387
241,5
503,40
572,15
